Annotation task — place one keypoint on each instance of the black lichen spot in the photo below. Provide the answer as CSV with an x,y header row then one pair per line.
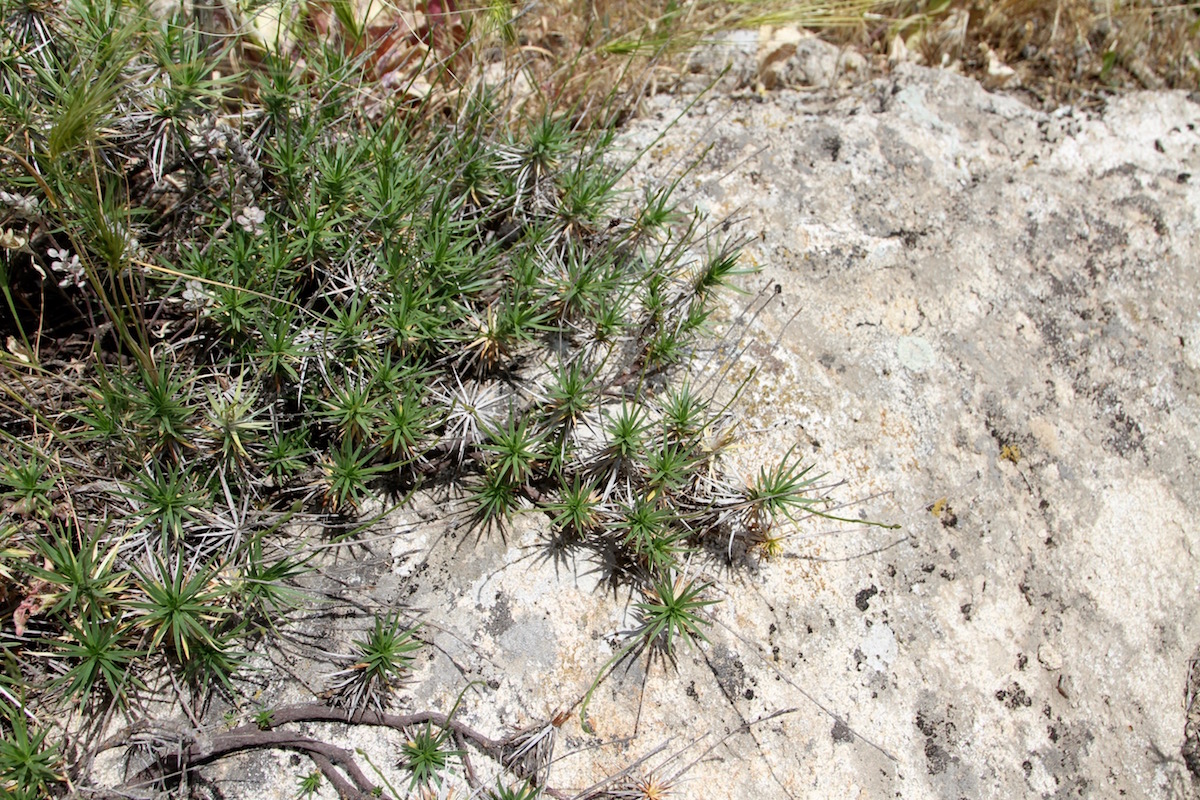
x,y
862,600
936,757
1127,434
1014,697
939,734
842,732
832,144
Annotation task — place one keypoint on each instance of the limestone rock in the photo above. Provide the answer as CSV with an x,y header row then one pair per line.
x,y
962,279
983,319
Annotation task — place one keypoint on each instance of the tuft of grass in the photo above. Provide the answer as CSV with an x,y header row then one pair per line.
x,y
160,411
577,511
646,531
27,486
99,659
670,615
29,767
309,784
426,757
348,471
379,663
625,432
782,490
81,573
177,607
166,500
352,412
407,423
521,791
235,420
668,465
516,450
265,591
494,500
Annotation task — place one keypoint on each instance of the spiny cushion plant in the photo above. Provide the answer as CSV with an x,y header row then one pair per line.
x,y
243,288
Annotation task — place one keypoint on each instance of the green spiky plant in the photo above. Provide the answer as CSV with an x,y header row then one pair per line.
x,y
671,615
248,293
426,757
266,590
98,658
309,784
27,485
81,572
178,608
520,791
29,765
577,511
166,500
378,664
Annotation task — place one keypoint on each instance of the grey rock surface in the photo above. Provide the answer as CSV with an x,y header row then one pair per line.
x,y
990,314
984,320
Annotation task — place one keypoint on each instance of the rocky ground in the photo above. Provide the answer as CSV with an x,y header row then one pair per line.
x,y
984,320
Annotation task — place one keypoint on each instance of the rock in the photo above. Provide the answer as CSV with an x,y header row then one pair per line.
x,y
898,52
962,277
730,60
797,60
999,75
947,276
1049,658
771,58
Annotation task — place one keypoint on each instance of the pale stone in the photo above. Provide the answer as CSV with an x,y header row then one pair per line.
x,y
1049,658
